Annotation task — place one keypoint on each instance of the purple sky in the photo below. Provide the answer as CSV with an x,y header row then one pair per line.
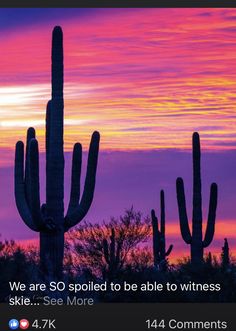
x,y
135,178
146,79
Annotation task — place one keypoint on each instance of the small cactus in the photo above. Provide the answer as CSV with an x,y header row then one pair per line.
x,y
194,239
112,255
159,239
225,257
209,259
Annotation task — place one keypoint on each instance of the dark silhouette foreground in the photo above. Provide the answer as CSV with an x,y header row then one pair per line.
x,y
118,251
49,219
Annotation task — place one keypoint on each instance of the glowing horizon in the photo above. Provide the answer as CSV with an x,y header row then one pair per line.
x,y
173,236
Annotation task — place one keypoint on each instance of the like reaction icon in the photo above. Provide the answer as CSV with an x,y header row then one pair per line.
x,y
13,324
24,324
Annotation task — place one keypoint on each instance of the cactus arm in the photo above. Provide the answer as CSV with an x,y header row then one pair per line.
x,y
34,184
90,179
162,226
197,190
30,135
155,227
210,229
78,214
184,226
169,250
162,196
156,238
75,178
20,197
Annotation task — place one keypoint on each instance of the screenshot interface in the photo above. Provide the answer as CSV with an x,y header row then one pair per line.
x,y
117,168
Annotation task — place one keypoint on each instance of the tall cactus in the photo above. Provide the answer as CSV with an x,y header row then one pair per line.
x,y
49,219
112,254
159,238
195,239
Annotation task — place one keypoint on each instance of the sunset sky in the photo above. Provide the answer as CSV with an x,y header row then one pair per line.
x,y
146,79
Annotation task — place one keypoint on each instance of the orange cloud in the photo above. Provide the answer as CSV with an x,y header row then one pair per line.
x,y
145,83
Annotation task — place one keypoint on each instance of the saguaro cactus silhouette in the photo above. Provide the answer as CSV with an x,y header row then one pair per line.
x,y
195,239
225,256
49,219
159,238
112,254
